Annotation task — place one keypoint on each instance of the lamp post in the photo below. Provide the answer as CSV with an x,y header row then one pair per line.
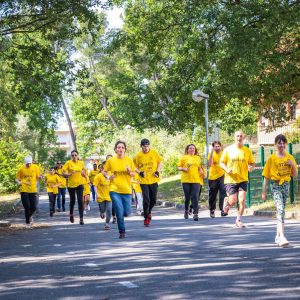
x,y
198,96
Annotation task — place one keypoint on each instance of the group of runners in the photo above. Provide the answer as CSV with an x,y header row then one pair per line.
x,y
115,181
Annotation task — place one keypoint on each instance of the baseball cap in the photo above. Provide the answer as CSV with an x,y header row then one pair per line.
x,y
145,142
28,160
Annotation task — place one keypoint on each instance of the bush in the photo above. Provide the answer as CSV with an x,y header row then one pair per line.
x,y
170,166
11,159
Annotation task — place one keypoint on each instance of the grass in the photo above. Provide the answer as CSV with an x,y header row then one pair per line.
x,y
7,203
269,205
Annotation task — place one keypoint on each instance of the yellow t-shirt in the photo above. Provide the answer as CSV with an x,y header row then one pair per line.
x,y
215,170
117,166
102,185
52,180
63,179
92,175
277,169
237,159
75,179
147,163
28,177
86,186
193,162
136,183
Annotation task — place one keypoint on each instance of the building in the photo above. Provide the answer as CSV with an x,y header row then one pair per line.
x,y
267,129
64,140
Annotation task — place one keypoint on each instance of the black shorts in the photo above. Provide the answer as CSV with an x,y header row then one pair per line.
x,y
233,188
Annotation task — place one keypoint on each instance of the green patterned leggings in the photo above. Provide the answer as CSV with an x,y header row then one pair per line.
x,y
280,194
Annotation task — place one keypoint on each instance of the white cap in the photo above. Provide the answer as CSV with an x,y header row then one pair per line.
x,y
28,160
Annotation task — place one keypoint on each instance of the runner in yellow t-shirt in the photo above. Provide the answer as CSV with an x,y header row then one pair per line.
x,y
86,192
279,168
92,174
191,179
121,169
27,177
101,184
73,169
236,160
137,193
216,179
148,164
61,196
53,181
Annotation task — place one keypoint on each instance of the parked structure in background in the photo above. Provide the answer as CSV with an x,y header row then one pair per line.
x,y
268,129
64,139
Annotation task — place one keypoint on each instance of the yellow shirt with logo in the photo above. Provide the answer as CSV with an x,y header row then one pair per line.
x,y
215,170
75,179
136,183
117,166
51,181
62,178
237,159
147,163
86,186
28,177
192,162
102,185
92,175
276,168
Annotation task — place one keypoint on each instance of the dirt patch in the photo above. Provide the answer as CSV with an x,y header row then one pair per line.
x,y
18,227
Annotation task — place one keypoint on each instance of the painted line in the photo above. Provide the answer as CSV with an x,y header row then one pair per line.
x,y
57,245
128,284
90,265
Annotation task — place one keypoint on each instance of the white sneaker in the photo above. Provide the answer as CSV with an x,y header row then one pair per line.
x,y
88,207
31,220
84,212
277,239
283,242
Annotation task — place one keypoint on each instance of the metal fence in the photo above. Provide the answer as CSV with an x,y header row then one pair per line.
x,y
261,154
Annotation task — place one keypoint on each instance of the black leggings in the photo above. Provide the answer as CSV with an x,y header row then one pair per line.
x,y
52,200
79,191
29,204
149,197
191,193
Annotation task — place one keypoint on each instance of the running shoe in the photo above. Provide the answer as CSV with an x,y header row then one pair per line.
x,y
88,207
150,216
277,239
58,210
196,218
226,206
102,215
147,222
239,224
186,214
81,222
28,226
212,214
122,235
84,212
71,218
31,220
51,213
223,214
106,227
283,242
190,211
114,221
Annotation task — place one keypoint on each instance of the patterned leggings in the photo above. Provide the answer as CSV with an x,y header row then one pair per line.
x,y
280,194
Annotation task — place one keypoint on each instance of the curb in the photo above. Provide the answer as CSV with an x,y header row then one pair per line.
x,y
5,223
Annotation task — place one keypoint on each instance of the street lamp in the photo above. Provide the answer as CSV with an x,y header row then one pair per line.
x,y
198,96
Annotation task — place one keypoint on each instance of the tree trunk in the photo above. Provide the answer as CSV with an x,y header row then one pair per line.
x,y
100,95
73,137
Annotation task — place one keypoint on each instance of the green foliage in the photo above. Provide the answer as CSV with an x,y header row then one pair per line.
x,y
237,115
12,156
294,136
170,166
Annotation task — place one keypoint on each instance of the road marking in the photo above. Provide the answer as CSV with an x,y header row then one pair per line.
x,y
90,265
128,284
57,245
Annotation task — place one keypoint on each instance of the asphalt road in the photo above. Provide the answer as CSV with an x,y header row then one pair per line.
x,y
172,259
